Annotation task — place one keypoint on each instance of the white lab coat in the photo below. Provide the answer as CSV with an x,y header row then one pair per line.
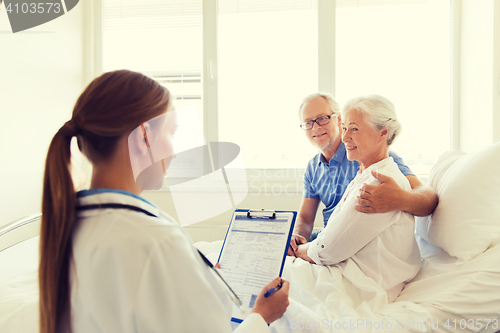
x,y
383,245
135,273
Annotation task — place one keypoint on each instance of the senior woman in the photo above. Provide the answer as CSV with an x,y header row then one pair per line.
x,y
382,245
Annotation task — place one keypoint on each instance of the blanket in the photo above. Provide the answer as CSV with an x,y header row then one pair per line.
x,y
338,298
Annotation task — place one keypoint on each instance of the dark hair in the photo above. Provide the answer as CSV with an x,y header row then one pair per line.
x,y
110,107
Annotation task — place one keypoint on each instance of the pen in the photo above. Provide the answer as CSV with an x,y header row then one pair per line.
x,y
272,290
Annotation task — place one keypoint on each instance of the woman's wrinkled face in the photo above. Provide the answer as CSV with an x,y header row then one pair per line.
x,y
363,143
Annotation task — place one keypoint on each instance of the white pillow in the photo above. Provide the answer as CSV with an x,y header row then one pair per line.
x,y
466,221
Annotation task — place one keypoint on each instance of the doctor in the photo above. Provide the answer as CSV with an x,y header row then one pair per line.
x,y
110,260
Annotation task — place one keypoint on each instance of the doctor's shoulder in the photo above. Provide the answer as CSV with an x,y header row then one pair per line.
x,y
129,231
159,229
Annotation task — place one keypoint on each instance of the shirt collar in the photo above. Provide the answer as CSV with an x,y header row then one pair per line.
x,y
339,156
104,195
379,164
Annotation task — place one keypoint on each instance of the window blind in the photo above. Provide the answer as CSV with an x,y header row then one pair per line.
x,y
248,6
146,14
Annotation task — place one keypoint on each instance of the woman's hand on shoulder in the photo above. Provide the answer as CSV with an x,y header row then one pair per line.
x,y
273,307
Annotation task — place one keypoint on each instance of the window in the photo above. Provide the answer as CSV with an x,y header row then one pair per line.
x,y
160,38
400,50
268,62
265,56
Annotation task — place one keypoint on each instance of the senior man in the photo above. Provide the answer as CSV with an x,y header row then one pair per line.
x,y
329,172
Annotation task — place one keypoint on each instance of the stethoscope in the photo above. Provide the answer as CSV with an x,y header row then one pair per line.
x,y
229,290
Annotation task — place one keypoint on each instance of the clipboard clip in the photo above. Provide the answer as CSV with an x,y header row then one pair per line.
x,y
267,213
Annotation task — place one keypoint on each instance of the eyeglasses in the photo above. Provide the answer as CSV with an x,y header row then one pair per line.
x,y
320,121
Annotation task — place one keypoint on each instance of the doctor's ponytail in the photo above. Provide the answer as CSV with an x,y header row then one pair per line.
x,y
110,107
58,207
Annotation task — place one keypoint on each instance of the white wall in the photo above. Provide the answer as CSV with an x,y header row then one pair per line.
x,y
479,74
41,76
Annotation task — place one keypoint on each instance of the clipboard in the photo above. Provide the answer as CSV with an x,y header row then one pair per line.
x,y
254,252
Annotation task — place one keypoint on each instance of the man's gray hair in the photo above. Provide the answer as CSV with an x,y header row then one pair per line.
x,y
334,106
379,112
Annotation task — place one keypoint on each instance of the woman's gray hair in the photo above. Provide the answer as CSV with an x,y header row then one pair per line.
x,y
334,106
379,112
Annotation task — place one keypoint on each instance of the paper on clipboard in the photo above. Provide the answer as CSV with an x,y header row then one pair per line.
x,y
253,254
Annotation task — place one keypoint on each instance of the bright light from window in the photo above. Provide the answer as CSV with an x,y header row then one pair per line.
x,y
268,62
402,52
160,38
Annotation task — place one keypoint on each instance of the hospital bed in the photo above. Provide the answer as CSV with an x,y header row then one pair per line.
x,y
457,286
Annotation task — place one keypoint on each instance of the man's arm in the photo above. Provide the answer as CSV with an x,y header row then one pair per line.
x,y
304,224
388,197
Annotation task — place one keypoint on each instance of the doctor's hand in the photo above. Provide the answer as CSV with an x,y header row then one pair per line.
x,y
274,306
295,241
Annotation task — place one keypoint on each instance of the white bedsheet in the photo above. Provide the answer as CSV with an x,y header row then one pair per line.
x,y
339,299
457,292
342,299
19,288
322,298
